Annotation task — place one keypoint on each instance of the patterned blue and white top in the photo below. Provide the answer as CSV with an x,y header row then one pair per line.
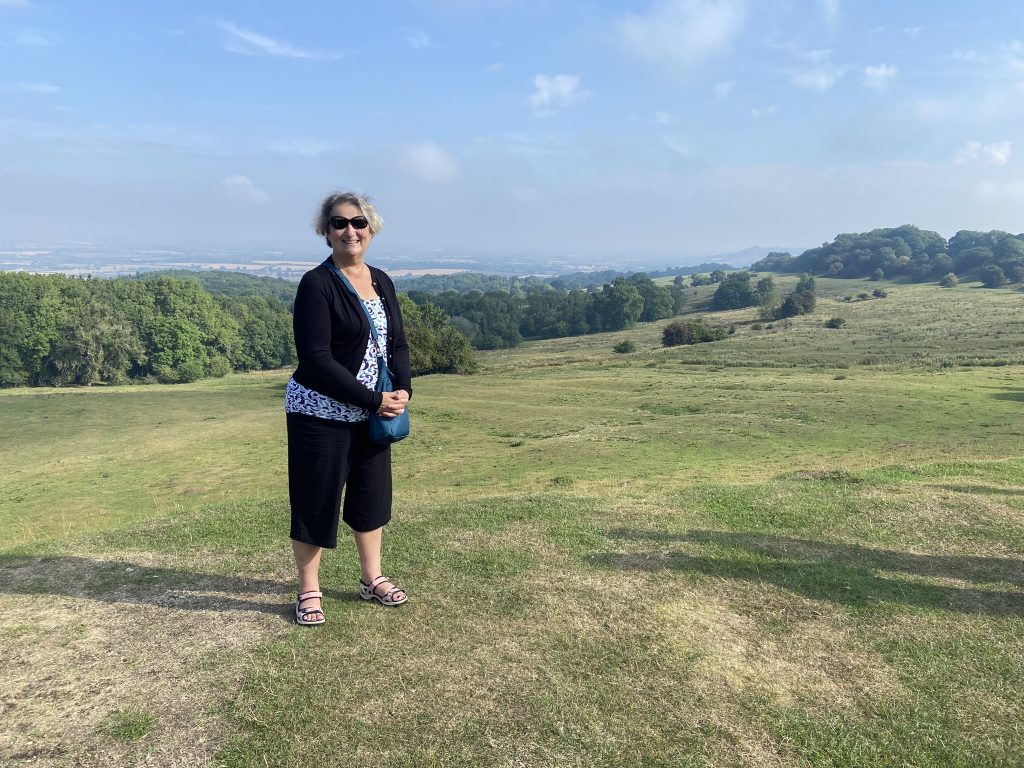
x,y
300,399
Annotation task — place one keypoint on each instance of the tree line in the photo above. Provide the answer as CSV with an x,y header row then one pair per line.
x,y
57,330
499,319
464,282
995,257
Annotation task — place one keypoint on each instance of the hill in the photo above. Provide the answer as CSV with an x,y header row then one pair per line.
x,y
804,544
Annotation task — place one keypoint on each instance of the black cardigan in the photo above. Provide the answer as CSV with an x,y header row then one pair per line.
x,y
332,332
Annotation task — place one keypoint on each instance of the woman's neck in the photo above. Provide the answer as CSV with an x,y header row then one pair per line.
x,y
348,263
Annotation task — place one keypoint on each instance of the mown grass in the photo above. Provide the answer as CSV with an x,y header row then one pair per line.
x,y
721,557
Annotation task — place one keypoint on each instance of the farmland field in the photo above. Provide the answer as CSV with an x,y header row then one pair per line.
x,y
798,546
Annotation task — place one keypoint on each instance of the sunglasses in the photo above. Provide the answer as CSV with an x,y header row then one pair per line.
x,y
340,222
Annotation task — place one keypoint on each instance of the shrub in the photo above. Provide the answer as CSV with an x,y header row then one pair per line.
x,y
949,280
878,293
690,331
624,347
835,322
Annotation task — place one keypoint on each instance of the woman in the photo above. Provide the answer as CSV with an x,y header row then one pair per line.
x,y
329,399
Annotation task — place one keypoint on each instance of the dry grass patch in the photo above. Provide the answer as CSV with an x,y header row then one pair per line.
x,y
124,659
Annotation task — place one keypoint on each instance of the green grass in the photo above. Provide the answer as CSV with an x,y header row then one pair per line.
x,y
128,725
764,551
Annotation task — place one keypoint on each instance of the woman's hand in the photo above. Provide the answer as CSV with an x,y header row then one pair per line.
x,y
393,404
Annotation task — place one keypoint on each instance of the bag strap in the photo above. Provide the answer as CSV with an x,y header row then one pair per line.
x,y
329,263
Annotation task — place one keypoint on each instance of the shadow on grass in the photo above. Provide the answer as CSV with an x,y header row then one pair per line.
x,y
121,581
1013,395
855,576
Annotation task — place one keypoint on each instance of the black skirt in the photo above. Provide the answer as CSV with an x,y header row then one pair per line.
x,y
324,457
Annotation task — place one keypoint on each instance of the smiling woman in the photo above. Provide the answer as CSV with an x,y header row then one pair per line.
x,y
330,398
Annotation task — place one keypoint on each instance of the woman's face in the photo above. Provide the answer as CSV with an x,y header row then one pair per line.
x,y
349,243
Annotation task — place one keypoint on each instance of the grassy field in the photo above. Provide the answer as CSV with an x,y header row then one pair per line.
x,y
794,547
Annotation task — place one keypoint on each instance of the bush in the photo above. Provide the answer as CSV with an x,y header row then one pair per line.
x,y
624,347
835,322
949,280
878,293
690,331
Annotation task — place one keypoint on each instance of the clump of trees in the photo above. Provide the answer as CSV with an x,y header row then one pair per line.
x,y
497,319
435,346
910,253
800,302
692,330
57,330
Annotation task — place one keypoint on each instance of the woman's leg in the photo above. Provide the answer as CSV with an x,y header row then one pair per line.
x,y
307,560
368,544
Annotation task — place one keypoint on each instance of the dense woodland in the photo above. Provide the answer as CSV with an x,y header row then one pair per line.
x,y
498,319
57,330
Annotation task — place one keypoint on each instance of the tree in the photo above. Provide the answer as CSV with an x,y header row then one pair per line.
x,y
658,302
618,306
992,276
949,280
435,345
692,330
734,292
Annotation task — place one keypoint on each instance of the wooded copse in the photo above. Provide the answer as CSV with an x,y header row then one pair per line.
x,y
498,319
907,252
57,330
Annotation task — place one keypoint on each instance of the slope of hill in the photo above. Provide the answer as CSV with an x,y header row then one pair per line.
x,y
804,544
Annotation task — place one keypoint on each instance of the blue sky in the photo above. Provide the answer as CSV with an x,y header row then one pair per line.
x,y
678,127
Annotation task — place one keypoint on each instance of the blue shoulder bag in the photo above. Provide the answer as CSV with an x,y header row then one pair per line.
x,y
384,430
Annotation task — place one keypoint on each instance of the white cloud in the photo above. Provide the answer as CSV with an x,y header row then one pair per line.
x,y
679,145
555,92
664,118
830,11
724,90
37,87
303,146
879,77
419,40
430,163
682,33
242,189
819,79
495,67
251,43
13,3
1001,192
997,153
759,112
964,55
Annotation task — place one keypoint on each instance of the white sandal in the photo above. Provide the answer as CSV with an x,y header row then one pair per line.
x,y
301,613
368,592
